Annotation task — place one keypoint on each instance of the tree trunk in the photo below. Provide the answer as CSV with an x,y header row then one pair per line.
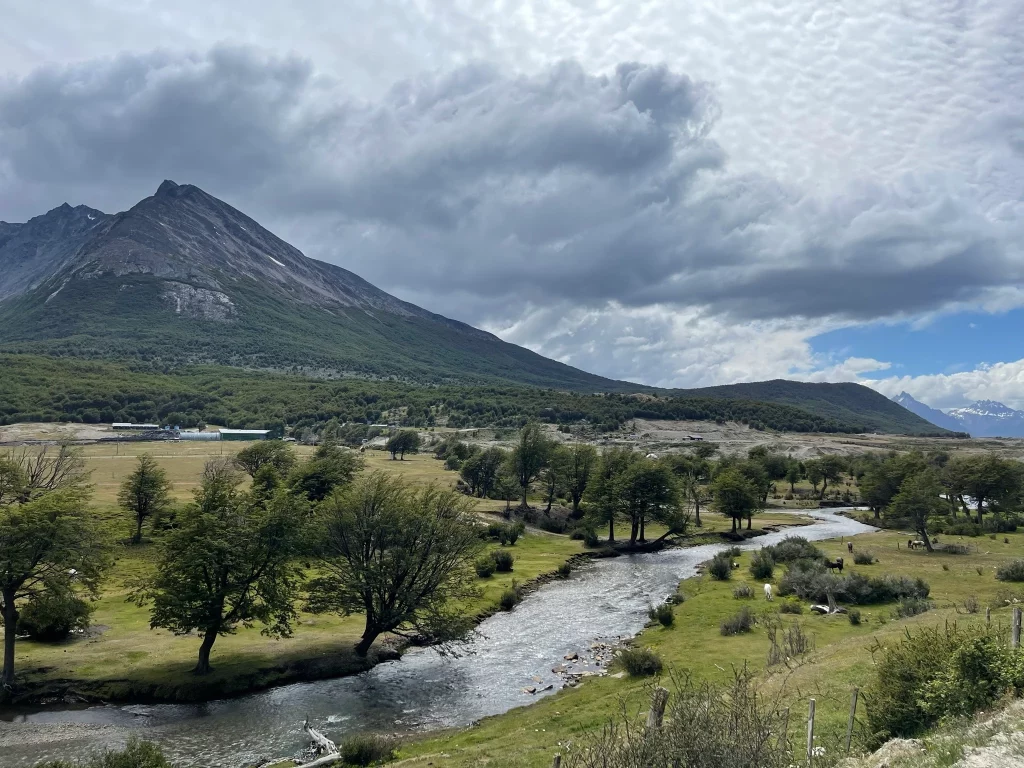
x,y
981,509
749,520
363,646
696,510
525,489
824,485
734,525
575,507
137,539
922,531
203,667
10,627
611,529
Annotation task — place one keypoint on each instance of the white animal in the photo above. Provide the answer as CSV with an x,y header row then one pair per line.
x,y
767,591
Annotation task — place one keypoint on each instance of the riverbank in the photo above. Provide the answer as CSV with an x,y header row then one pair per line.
x,y
121,660
839,660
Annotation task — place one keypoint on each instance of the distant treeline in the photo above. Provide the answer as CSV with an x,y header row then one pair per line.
x,y
51,389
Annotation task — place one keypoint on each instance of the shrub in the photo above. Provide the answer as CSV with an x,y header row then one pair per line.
x,y
742,622
743,592
972,604
955,549
510,533
810,581
911,606
564,570
794,642
961,528
788,496
791,605
731,552
794,548
662,614
136,754
485,567
721,567
590,539
53,615
940,673
494,530
552,525
677,599
1012,571
762,566
865,557
1000,524
640,662
854,616
502,560
367,749
509,599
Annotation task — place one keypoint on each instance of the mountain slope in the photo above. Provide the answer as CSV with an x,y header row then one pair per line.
x,y
847,402
932,415
182,277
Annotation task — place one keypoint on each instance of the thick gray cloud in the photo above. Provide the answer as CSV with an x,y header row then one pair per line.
x,y
814,166
560,186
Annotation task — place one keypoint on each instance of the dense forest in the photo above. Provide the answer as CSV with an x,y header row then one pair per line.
x,y
51,389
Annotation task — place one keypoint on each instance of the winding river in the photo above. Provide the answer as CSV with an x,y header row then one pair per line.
x,y
603,601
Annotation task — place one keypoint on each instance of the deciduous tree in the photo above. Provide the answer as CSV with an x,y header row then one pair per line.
x,y
274,453
145,493
403,442
733,495
230,562
401,557
917,500
530,456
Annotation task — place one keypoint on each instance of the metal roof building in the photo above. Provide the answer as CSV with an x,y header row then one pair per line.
x,y
244,434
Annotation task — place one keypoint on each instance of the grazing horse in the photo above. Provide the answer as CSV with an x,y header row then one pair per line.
x,y
768,592
834,565
915,543
849,547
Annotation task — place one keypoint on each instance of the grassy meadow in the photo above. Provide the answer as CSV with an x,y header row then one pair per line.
x,y
841,659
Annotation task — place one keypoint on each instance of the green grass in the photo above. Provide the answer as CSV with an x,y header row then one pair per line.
x,y
530,736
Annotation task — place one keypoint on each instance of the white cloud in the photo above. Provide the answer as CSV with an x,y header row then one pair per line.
x,y
1003,382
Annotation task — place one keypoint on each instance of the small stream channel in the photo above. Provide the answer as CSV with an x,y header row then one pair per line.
x,y
603,601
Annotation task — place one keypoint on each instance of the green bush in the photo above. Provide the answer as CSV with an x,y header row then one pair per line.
x,y
367,749
721,567
911,606
742,622
854,616
791,605
590,539
53,615
553,525
743,592
811,581
762,566
640,662
136,754
1000,524
955,549
794,548
938,673
502,560
1012,571
485,566
864,557
509,599
662,614
564,570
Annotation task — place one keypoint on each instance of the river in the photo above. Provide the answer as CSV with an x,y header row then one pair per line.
x,y
604,600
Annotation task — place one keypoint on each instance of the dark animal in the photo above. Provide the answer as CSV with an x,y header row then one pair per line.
x,y
849,547
835,565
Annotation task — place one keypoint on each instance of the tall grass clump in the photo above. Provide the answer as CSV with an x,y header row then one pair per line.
x,y
707,725
640,662
762,565
367,749
743,592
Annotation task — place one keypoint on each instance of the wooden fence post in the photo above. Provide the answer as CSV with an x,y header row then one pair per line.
x,y
988,615
785,727
810,734
1015,636
657,713
853,714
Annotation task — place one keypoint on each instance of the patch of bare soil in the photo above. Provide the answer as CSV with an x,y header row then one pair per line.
x,y
57,433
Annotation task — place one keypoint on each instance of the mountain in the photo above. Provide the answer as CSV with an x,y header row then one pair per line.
x,y
988,418
847,402
183,277
933,415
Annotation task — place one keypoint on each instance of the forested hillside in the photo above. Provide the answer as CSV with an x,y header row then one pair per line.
x,y
36,388
845,402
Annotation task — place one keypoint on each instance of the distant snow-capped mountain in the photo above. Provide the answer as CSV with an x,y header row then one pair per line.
x,y
983,418
934,415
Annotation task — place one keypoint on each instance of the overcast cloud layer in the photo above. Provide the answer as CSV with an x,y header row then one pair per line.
x,y
675,196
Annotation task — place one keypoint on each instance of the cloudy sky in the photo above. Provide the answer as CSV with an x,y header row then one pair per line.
x,y
675,193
